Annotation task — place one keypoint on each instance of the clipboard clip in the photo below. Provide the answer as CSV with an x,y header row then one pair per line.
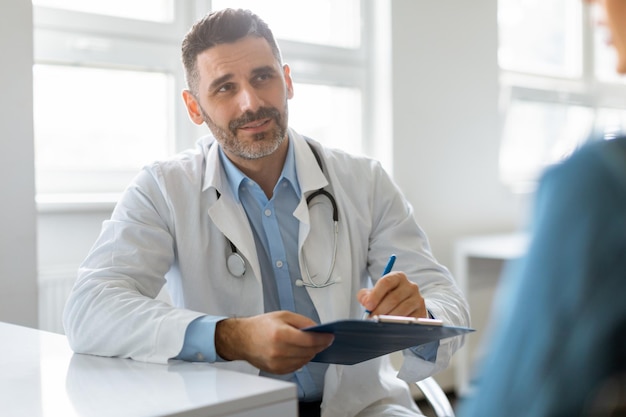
x,y
385,318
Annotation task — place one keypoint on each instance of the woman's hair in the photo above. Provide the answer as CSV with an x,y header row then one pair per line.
x,y
223,26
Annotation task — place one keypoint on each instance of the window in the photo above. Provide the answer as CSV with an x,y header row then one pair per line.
x,y
537,134
557,83
323,22
112,121
551,48
106,88
153,10
339,117
107,82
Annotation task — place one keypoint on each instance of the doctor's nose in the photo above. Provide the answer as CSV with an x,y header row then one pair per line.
x,y
249,100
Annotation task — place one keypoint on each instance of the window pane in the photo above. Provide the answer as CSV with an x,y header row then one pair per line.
x,y
538,134
95,128
605,57
152,10
325,22
329,115
540,36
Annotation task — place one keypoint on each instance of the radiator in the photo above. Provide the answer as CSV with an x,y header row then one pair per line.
x,y
55,284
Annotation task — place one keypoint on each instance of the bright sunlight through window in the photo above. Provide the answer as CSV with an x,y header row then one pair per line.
x,y
90,122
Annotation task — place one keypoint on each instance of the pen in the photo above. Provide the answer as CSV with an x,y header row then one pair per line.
x,y
392,260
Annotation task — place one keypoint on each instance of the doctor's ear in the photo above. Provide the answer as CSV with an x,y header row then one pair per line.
x,y
193,107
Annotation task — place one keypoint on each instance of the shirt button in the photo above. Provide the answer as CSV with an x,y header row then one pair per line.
x,y
268,212
279,264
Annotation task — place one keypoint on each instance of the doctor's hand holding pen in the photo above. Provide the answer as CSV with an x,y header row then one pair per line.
x,y
393,294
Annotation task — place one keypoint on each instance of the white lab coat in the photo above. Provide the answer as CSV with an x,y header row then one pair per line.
x,y
170,227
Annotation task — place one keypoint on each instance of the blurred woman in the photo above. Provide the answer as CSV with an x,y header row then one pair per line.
x,y
559,341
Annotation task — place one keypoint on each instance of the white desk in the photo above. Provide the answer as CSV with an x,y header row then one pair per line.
x,y
41,376
478,282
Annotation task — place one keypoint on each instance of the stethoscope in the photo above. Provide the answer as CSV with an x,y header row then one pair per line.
x,y
236,265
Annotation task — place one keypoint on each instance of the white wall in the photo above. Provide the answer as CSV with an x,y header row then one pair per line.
x,y
445,119
446,123
18,276
65,237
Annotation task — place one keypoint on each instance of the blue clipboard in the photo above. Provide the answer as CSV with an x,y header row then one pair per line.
x,y
360,340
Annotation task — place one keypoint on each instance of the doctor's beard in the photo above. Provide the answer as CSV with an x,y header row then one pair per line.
x,y
264,144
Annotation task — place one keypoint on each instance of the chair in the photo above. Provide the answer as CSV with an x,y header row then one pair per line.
x,y
436,398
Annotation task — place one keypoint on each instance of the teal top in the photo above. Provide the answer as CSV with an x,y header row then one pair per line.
x,y
560,337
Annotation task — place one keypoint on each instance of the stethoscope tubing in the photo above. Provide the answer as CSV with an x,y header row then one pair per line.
x,y
236,264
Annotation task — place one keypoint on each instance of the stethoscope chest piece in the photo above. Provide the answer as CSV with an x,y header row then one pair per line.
x,y
236,265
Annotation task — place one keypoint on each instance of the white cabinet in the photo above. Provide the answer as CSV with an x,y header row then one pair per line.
x,y
478,265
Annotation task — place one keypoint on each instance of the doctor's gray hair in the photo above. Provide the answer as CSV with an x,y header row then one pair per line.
x,y
223,26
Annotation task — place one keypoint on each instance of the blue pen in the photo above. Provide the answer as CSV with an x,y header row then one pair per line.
x,y
392,260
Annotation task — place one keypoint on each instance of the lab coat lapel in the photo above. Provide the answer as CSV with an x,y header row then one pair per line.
x,y
228,215
310,177
331,301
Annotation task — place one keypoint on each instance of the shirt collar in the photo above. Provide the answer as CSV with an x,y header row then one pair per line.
x,y
235,177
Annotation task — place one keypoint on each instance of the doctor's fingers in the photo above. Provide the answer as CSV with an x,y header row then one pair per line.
x,y
292,335
282,365
391,282
282,329
289,318
408,307
287,337
288,353
396,295
283,337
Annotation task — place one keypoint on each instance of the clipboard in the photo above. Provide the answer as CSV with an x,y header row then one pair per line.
x,y
360,340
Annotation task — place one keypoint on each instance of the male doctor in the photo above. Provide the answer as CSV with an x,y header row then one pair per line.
x,y
246,259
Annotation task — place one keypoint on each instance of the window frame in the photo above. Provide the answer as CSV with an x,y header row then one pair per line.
x,y
585,90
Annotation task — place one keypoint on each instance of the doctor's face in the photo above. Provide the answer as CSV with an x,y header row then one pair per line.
x,y
242,97
613,16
